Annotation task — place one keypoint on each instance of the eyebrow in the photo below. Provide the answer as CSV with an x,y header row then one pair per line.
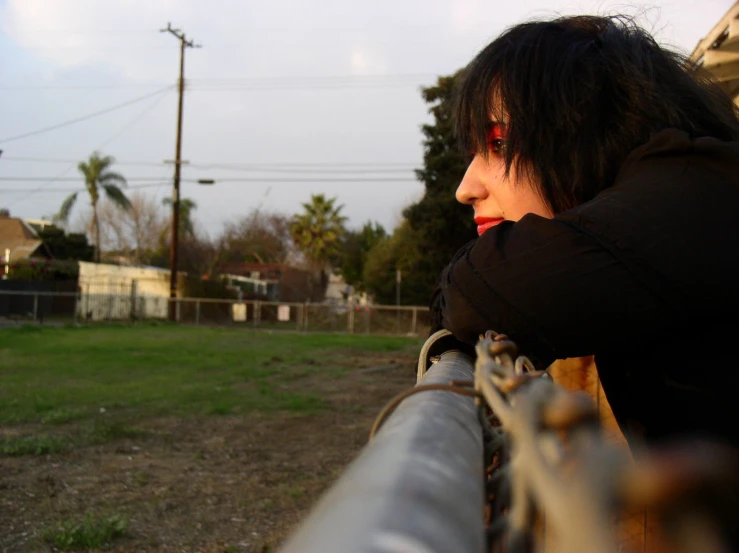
x,y
497,126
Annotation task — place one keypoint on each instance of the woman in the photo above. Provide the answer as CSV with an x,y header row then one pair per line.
x,y
605,186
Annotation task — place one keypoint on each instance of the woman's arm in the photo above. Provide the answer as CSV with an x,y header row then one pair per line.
x,y
550,287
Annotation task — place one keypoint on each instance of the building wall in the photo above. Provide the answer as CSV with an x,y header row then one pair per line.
x,y
107,291
104,278
293,284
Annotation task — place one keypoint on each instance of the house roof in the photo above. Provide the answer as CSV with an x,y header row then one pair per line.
x,y
243,268
718,52
20,239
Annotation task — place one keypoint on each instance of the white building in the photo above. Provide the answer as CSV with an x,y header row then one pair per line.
x,y
116,291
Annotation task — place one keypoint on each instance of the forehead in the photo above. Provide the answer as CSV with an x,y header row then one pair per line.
x,y
497,113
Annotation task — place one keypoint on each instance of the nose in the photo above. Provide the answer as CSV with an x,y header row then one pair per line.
x,y
471,189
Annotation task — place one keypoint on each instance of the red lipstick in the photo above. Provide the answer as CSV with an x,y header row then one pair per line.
x,y
484,223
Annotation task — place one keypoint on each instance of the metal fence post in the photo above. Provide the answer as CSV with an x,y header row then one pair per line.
x,y
35,307
176,310
76,304
414,321
305,316
132,311
86,307
351,318
197,312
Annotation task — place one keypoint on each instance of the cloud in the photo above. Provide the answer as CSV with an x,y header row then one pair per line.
x,y
365,63
465,14
82,34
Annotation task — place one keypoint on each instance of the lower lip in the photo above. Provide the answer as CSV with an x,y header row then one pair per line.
x,y
485,226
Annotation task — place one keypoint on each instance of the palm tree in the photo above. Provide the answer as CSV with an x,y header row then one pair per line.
x,y
186,229
318,231
97,174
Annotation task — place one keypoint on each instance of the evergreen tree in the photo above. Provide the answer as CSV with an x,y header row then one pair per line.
x,y
355,248
437,225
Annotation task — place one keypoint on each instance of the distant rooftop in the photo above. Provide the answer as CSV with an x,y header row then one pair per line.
x,y
19,239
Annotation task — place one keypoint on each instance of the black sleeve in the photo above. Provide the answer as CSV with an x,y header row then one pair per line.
x,y
551,288
645,258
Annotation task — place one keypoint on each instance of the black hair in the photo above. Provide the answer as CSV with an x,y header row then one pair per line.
x,y
577,94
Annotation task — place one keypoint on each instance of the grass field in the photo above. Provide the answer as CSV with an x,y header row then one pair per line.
x,y
201,439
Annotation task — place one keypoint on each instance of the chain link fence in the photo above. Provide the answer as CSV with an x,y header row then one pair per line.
x,y
308,317
121,302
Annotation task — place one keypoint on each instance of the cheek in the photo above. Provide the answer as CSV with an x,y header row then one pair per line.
x,y
530,202
522,198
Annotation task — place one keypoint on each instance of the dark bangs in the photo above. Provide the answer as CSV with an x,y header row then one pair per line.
x,y
577,95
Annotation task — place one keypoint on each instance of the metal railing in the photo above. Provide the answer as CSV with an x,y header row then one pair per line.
x,y
418,486
526,457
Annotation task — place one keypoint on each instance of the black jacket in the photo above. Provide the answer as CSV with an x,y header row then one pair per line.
x,y
645,277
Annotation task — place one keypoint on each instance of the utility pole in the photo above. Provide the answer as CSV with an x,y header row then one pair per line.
x,y
184,43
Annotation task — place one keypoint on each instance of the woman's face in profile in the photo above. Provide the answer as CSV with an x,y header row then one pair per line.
x,y
495,197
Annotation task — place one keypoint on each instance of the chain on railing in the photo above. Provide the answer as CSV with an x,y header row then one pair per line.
x,y
550,467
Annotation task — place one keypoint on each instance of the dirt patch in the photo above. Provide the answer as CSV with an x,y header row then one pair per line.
x,y
207,484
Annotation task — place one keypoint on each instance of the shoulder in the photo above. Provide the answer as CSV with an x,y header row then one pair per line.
x,y
672,211
673,181
672,150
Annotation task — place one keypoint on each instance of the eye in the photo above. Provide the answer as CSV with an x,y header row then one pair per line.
x,y
496,138
497,146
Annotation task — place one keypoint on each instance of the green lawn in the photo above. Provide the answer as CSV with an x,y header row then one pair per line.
x,y
54,375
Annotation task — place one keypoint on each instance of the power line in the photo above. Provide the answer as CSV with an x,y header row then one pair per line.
x,y
233,179
296,88
316,78
259,83
311,179
63,179
298,164
235,164
303,171
84,117
75,87
74,162
195,181
95,31
63,160
311,83
136,119
78,189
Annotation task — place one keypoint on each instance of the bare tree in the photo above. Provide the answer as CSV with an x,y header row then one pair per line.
x,y
257,237
136,233
147,222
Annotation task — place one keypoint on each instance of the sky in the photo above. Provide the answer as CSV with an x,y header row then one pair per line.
x,y
284,99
